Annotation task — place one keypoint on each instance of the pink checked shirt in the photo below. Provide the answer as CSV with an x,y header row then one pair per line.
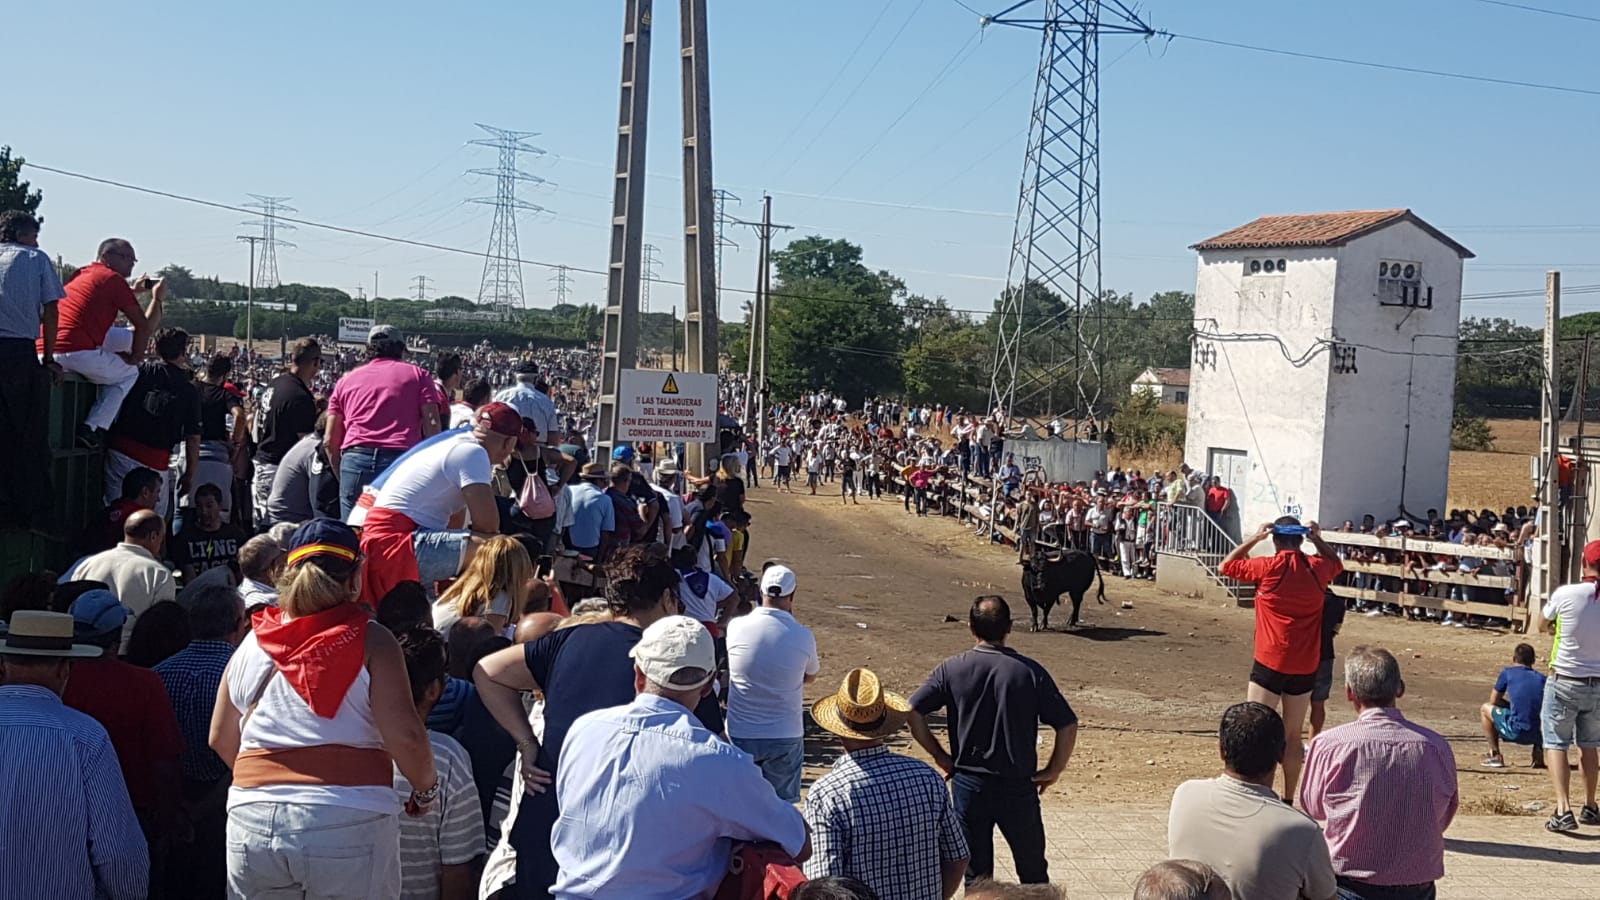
x,y
1387,789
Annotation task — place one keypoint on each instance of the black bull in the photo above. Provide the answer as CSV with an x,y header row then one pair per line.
x,y
1045,579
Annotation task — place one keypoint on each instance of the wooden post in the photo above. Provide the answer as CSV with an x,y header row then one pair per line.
x,y
1549,450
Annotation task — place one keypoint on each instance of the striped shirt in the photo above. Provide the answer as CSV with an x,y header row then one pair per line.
x,y
192,676
1387,789
886,820
450,833
69,828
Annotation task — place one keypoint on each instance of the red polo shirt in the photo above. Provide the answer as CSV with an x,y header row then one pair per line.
x,y
132,703
1289,589
1216,499
94,297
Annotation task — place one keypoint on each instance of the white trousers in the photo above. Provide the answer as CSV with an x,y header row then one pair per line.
x,y
108,370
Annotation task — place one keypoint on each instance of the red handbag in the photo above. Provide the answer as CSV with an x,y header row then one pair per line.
x,y
760,872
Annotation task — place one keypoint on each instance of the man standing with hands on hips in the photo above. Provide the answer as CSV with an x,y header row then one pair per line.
x,y
1288,641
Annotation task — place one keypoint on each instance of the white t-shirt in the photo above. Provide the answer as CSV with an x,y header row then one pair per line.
x,y
1577,653
427,486
460,414
450,833
445,615
674,513
782,455
704,609
769,657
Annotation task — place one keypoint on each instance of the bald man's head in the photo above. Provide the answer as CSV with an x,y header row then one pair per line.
x,y
144,528
1181,879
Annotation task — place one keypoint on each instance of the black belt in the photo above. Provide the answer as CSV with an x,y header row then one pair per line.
x,y
1593,680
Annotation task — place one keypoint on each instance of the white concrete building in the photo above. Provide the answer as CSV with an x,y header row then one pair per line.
x,y
1166,385
1322,377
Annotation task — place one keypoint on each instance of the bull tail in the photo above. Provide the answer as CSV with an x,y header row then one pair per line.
x,y
1101,575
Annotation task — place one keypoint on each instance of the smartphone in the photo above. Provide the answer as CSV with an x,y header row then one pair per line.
x,y
546,565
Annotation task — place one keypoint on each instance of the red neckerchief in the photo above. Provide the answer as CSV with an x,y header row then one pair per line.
x,y
320,655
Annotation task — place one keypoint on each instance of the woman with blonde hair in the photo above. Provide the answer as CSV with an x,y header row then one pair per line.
x,y
313,715
494,586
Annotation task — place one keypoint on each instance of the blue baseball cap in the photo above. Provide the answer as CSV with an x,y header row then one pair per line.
x,y
1291,530
98,612
623,454
327,538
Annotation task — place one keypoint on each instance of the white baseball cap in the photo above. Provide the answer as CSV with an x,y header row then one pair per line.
x,y
671,645
777,581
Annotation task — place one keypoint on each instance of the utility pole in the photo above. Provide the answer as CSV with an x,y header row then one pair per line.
x,y
501,286
1549,449
720,199
755,389
674,337
250,295
421,282
374,294
361,296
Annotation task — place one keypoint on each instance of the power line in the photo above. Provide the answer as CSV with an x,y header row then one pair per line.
x,y
1539,9
570,269
1391,67
840,107
839,73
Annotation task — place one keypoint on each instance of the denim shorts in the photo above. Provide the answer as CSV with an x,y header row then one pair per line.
x,y
1324,685
1571,714
782,761
439,554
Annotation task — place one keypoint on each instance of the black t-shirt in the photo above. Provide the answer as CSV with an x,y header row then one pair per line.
x,y
730,494
216,402
847,466
291,413
1332,618
995,699
207,549
161,409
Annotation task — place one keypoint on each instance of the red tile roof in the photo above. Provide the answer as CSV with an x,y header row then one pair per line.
x,y
1172,377
1330,229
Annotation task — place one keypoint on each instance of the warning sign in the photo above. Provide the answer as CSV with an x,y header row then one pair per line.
x,y
653,405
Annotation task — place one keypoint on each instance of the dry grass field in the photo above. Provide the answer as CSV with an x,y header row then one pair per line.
x,y
1494,479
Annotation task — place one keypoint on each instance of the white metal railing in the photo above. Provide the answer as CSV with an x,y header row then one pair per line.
x,y
1187,531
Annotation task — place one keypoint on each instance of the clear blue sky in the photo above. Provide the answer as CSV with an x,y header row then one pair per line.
x,y
361,112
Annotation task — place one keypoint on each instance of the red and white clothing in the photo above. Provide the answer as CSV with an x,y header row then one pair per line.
x,y
95,296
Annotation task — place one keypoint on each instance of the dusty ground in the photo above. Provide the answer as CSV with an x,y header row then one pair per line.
x,y
1149,683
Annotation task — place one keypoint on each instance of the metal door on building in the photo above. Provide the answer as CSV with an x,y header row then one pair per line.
x,y
1232,466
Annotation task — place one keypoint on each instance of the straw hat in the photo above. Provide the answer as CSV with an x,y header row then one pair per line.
x,y
35,633
862,710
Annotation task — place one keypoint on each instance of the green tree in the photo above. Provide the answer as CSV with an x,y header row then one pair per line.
x,y
14,192
834,323
180,282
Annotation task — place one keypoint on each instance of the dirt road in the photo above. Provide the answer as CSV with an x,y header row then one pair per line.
x,y
1150,683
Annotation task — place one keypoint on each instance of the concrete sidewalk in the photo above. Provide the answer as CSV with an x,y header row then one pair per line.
x,y
1096,855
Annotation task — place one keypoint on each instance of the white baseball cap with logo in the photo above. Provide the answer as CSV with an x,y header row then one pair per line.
x,y
777,581
671,645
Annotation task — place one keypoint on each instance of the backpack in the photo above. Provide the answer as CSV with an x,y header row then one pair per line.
x,y
760,872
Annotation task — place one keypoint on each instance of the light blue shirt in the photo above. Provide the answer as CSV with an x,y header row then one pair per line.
x,y
536,406
592,513
652,802
28,281
70,830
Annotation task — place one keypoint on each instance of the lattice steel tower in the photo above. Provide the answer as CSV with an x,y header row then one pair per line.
x,y
1056,241
270,208
502,264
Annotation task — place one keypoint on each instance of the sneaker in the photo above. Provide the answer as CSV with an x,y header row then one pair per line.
x,y
1449,619
1373,613
1494,762
1589,815
1562,822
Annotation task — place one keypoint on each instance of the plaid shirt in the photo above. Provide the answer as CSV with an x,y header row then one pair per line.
x,y
885,819
192,676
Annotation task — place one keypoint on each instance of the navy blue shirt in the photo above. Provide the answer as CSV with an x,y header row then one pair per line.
x,y
1525,689
996,699
580,669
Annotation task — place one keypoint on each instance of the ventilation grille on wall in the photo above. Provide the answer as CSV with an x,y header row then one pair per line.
x,y
1265,266
1344,360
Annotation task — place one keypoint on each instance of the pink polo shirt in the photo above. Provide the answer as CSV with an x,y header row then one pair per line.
x,y
381,404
